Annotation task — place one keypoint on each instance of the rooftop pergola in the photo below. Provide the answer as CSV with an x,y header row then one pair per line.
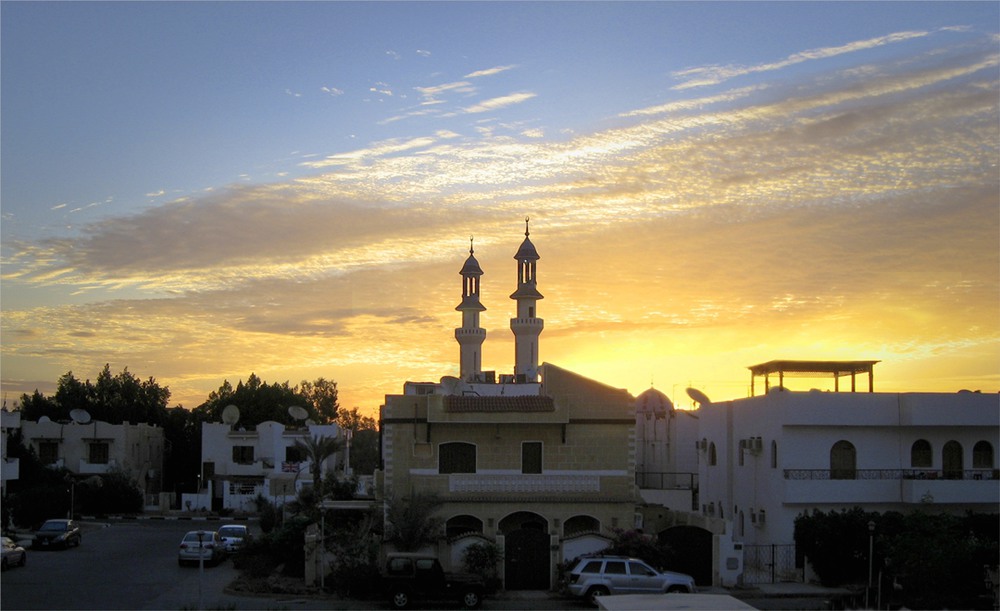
x,y
812,369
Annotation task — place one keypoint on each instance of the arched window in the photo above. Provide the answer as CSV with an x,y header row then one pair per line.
x,y
711,454
774,454
463,524
920,454
982,455
843,461
951,460
581,524
456,457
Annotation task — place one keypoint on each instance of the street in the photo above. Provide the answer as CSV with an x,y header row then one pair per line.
x,y
132,564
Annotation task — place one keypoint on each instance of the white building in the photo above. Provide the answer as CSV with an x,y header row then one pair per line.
x,y
97,448
666,463
766,459
238,464
11,467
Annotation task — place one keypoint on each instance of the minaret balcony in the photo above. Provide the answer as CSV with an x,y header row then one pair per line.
x,y
470,334
526,324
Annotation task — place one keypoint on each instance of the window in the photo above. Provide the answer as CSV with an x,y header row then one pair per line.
x,y
982,455
243,455
843,460
456,457
951,460
920,454
711,454
594,566
614,567
460,525
774,454
531,457
294,454
638,568
98,454
48,452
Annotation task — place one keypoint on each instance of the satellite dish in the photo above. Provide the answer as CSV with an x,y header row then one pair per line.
x,y
80,416
699,397
449,385
297,413
231,414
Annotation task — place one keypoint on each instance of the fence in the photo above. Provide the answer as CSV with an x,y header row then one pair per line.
x,y
769,564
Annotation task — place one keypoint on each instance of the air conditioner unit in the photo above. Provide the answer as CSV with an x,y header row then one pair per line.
x,y
761,518
744,444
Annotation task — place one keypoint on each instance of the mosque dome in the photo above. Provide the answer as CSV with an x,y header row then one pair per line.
x,y
653,401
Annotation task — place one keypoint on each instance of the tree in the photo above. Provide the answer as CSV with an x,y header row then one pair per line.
x,y
411,523
364,440
318,448
322,396
257,401
113,399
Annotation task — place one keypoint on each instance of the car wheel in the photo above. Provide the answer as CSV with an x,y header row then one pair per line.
x,y
678,589
401,599
472,599
24,560
596,592
3,564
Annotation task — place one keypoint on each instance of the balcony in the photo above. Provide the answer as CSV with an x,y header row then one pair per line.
x,y
509,487
909,486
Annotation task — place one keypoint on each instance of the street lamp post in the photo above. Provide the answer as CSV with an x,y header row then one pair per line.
x,y
201,566
871,547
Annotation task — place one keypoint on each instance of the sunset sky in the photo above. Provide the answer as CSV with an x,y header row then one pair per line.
x,y
198,191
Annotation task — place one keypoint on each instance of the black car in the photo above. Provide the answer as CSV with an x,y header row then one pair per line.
x,y
57,533
409,578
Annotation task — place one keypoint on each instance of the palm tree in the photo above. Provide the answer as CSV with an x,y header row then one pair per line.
x,y
318,448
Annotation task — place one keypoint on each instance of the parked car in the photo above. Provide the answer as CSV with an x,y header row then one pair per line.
x,y
13,554
592,577
235,536
57,533
410,578
198,544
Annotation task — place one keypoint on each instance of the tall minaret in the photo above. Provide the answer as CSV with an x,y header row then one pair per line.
x,y
526,327
470,336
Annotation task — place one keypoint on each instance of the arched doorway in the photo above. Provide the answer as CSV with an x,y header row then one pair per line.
x,y
692,552
526,551
951,460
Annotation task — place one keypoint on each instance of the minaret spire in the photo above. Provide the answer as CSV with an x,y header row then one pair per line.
x,y
470,335
526,326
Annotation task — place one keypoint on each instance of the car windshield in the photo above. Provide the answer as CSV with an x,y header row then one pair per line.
x,y
231,531
193,537
54,526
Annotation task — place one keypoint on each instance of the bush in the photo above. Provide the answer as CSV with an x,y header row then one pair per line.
x,y
483,559
938,558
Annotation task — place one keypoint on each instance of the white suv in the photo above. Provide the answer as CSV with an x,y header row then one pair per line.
x,y
592,577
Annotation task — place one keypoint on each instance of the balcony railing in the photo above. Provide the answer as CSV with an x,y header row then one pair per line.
x,y
667,481
891,474
523,483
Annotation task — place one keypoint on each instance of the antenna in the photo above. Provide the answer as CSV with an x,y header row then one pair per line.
x,y
80,416
699,397
297,413
231,415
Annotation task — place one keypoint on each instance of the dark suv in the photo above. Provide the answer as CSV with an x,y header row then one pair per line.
x,y
409,578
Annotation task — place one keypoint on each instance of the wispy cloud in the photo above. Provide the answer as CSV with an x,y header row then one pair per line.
x,y
713,75
489,71
499,102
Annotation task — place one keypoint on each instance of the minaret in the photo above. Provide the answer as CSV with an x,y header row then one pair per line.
x,y
470,335
526,327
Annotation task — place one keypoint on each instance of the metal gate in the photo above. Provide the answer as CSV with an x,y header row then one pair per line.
x,y
769,564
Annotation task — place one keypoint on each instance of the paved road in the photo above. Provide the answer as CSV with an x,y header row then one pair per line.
x,y
133,565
